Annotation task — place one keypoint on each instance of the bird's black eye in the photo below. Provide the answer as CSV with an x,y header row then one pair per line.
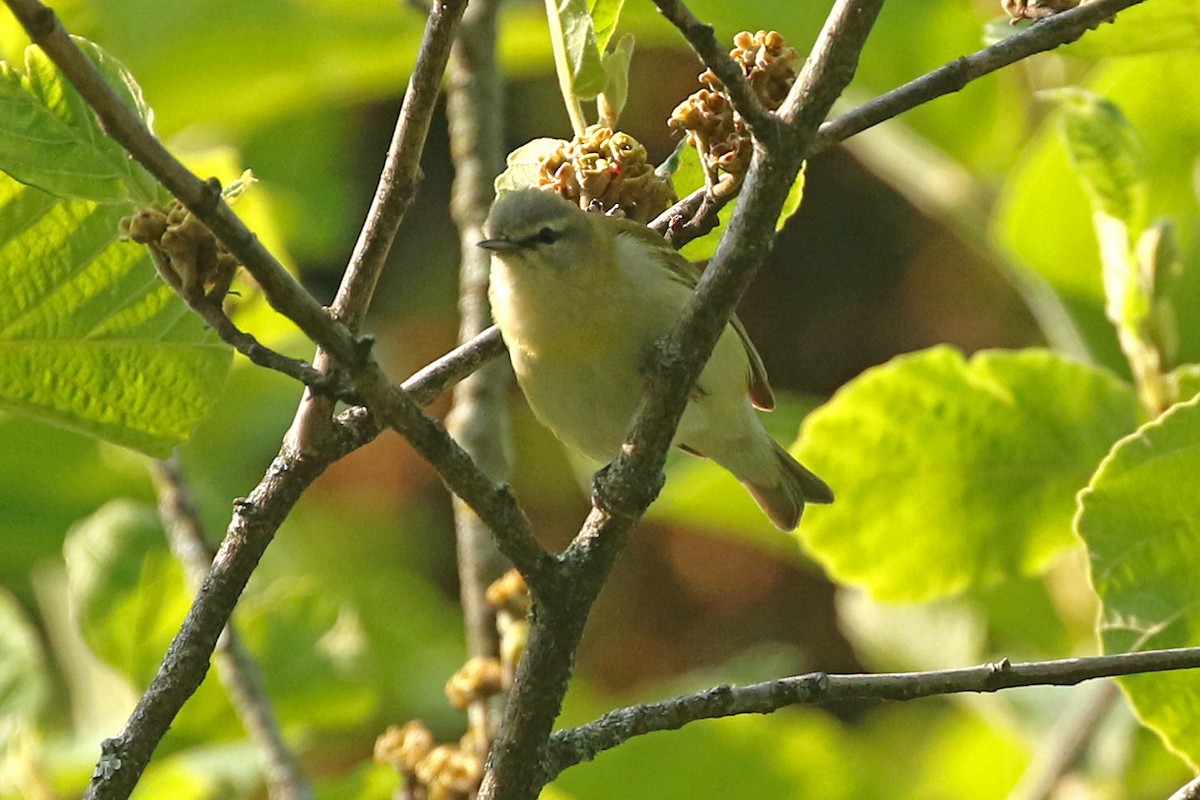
x,y
547,236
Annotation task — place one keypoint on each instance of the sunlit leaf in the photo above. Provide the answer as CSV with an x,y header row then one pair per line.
x,y
952,474
91,338
1106,153
1107,156
1138,517
576,46
605,14
50,138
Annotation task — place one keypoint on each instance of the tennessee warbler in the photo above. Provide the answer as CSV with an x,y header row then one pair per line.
x,y
580,299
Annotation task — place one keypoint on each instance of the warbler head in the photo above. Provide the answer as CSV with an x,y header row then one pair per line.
x,y
539,229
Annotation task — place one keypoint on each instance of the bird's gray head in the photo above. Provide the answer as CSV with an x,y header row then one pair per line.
x,y
536,227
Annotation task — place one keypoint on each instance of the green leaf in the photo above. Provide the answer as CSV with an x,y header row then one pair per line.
x,y
1106,153
1138,518
50,138
91,339
575,47
309,648
127,591
1107,156
611,101
953,474
605,14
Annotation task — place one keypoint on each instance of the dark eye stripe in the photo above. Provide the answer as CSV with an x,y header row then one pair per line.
x,y
544,236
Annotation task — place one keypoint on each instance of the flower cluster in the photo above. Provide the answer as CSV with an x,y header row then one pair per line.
x,y
1035,9
433,771
712,125
603,170
186,252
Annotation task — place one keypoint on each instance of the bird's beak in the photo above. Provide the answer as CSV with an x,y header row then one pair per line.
x,y
499,245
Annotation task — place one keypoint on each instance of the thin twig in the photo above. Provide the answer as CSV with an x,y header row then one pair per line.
x,y
393,194
402,169
585,742
479,417
202,198
211,310
700,36
438,376
1043,35
251,529
235,665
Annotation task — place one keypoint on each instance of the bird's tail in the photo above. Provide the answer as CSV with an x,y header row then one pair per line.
x,y
783,501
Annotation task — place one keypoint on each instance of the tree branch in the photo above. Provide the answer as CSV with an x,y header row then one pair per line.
x,y
235,666
762,123
625,488
202,198
479,417
252,527
397,184
582,744
573,746
1043,35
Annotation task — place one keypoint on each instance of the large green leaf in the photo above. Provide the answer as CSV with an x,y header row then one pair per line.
x,y
91,339
952,474
50,138
127,591
1139,518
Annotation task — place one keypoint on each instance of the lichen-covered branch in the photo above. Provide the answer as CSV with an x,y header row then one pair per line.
x,y
235,665
479,417
587,741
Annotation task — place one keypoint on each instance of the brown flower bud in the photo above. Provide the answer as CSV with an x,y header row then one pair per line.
x,y
478,679
404,747
510,593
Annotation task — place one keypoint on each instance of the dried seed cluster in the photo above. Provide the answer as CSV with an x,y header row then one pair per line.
x,y
712,125
433,771
191,259
603,170
1036,9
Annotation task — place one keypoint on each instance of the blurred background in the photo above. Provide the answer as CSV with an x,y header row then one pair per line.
x,y
947,225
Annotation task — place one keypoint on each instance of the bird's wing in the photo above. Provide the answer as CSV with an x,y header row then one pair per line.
x,y
688,274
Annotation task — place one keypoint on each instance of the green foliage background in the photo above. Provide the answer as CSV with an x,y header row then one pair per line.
x,y
957,534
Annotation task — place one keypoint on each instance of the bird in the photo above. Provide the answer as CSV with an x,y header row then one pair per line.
x,y
580,299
